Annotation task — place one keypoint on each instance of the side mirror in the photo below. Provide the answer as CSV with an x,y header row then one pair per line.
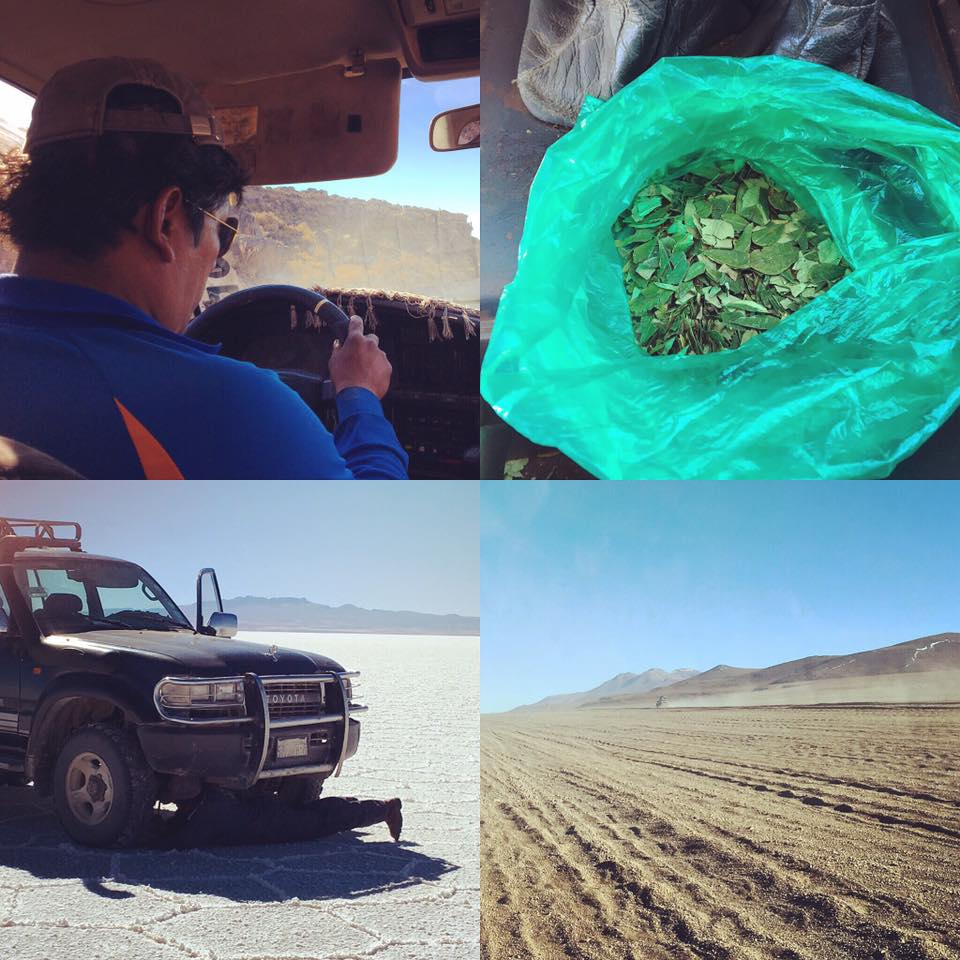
x,y
4,621
456,129
210,573
223,624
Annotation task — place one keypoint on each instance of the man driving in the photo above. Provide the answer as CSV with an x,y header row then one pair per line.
x,y
120,210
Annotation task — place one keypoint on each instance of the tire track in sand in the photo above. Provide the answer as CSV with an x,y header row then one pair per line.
x,y
649,858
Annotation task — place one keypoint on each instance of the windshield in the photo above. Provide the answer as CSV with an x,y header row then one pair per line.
x,y
75,595
15,107
411,230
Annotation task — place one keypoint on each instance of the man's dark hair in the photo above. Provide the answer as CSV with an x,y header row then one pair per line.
x,y
78,195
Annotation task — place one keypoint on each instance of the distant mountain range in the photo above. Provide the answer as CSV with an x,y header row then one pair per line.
x,y
623,684
925,670
301,615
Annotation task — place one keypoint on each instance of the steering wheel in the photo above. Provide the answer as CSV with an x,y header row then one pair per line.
x,y
272,310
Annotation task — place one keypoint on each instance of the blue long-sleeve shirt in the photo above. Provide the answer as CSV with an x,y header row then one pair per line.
x,y
98,384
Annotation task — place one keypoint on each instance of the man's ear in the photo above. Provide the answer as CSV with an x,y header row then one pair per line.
x,y
160,222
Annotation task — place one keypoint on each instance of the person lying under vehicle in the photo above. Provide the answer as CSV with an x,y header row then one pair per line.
x,y
221,820
120,210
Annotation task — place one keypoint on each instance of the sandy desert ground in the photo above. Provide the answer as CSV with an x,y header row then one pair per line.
x,y
353,897
722,834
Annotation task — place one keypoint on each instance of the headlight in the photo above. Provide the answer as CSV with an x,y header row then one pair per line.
x,y
230,692
174,693
351,687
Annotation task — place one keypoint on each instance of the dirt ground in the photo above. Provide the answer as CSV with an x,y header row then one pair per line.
x,y
726,834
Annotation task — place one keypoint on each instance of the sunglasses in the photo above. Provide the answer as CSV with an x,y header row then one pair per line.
x,y
226,230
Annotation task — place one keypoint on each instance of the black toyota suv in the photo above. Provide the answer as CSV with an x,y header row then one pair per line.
x,y
111,700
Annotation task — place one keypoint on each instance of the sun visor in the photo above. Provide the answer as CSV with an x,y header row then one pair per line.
x,y
316,125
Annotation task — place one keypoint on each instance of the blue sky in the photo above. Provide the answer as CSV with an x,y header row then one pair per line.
x,y
421,177
401,546
581,581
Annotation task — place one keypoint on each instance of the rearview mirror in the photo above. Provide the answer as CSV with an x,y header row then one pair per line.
x,y
223,624
456,129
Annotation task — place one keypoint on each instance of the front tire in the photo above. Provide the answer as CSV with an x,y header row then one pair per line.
x,y
103,790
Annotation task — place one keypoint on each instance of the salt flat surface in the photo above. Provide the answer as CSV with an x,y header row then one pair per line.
x,y
354,896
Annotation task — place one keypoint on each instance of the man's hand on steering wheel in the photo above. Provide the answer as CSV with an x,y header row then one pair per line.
x,y
359,362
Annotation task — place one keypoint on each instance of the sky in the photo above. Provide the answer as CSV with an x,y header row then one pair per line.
x,y
400,546
581,581
421,177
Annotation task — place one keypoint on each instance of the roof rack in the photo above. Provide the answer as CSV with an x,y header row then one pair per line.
x,y
18,534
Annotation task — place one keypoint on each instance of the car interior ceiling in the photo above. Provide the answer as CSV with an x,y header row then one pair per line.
x,y
310,90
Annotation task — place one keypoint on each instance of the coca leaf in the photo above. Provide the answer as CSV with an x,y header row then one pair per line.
x,y
717,255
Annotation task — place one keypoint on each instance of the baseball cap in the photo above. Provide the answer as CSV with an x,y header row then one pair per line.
x,y
73,104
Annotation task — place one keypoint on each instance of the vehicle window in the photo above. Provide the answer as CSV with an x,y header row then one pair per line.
x,y
15,107
413,229
138,597
91,594
4,613
42,584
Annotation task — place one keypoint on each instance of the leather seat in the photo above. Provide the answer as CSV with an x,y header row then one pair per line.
x,y
575,48
60,611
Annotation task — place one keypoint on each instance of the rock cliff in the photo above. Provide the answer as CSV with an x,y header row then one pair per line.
x,y
309,237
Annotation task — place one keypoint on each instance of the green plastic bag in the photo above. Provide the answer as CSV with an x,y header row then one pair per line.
x,y
847,386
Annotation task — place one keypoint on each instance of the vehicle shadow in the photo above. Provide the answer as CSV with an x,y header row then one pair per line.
x,y
342,867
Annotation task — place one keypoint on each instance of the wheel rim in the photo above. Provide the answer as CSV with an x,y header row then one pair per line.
x,y
89,788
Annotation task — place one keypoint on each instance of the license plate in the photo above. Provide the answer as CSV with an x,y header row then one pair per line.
x,y
291,747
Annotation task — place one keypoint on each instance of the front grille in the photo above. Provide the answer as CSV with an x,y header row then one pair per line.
x,y
295,699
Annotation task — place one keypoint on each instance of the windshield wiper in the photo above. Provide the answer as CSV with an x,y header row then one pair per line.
x,y
154,618
93,621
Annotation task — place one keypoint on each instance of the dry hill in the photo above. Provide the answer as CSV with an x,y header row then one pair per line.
x,y
623,684
310,237
923,670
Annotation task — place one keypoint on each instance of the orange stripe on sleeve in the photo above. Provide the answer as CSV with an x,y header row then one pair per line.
x,y
156,462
